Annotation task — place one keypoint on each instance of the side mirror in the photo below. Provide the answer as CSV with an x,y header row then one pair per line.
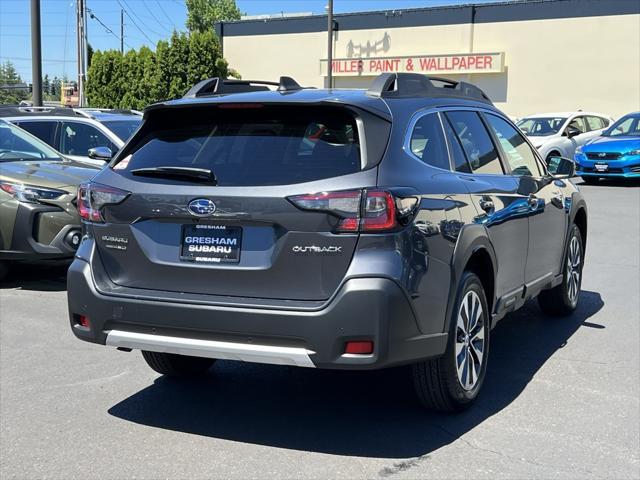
x,y
561,167
572,132
100,153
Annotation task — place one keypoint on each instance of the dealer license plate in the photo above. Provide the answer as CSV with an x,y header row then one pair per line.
x,y
601,167
211,244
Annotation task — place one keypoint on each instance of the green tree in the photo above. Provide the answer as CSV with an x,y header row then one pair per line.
x,y
12,92
55,88
204,59
89,53
141,77
106,86
202,14
46,85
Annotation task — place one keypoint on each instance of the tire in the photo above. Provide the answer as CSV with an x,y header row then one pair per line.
x,y
590,180
438,383
563,299
4,268
179,366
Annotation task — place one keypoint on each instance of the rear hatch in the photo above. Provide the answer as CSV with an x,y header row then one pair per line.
x,y
209,209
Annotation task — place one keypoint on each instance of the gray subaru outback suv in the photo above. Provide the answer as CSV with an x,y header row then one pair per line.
x,y
268,223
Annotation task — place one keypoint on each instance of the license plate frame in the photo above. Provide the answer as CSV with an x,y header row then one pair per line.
x,y
207,244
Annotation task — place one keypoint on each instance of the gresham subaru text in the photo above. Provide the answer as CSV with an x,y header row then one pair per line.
x,y
339,229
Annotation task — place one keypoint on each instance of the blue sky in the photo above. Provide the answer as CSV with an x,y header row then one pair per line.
x,y
146,21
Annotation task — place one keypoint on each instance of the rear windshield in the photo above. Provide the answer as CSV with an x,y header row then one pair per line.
x,y
252,145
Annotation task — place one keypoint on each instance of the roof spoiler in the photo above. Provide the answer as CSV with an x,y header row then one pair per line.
x,y
405,85
221,86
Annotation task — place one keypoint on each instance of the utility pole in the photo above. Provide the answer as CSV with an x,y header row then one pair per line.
x,y
81,22
122,31
36,53
330,44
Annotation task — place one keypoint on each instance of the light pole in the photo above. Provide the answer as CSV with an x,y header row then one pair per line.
x,y
36,54
330,44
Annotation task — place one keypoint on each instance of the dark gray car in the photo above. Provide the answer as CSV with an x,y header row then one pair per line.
x,y
328,229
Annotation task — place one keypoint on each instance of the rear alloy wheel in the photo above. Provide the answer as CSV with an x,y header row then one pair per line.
x,y
451,383
179,366
563,299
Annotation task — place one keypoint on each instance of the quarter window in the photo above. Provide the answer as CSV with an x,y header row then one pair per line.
x,y
578,123
595,123
460,162
476,142
519,154
428,143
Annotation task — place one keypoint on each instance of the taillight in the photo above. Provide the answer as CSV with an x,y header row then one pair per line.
x,y
92,197
379,212
357,210
345,205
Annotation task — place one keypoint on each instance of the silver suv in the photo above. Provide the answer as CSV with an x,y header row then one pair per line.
x,y
83,134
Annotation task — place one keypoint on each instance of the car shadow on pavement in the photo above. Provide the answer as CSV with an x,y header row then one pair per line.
x,y
37,277
612,182
368,414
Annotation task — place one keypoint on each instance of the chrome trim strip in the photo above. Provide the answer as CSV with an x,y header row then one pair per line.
x,y
211,349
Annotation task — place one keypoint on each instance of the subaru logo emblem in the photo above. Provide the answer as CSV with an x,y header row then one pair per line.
x,y
202,207
602,154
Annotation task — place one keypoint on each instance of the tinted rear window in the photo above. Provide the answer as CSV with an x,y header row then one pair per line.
x,y
123,128
253,146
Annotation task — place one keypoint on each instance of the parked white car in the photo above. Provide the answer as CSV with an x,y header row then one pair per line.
x,y
89,135
559,134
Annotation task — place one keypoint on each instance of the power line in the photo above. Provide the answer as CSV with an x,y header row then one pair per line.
x,y
132,12
95,17
28,59
165,14
153,15
134,22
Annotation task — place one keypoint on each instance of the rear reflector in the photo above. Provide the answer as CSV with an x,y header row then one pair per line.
x,y
359,348
81,321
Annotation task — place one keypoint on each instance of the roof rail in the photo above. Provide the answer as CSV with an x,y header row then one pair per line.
x,y
405,85
90,112
221,86
15,111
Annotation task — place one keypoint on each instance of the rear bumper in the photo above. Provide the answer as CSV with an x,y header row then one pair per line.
x,y
364,309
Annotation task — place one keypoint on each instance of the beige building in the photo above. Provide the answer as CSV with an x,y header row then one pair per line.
x,y
529,57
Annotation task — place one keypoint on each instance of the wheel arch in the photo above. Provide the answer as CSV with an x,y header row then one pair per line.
x,y
474,252
580,219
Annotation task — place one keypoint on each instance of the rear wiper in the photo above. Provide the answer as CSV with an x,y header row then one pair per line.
x,y
190,173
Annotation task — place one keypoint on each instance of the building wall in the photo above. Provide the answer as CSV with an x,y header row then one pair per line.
x,y
551,64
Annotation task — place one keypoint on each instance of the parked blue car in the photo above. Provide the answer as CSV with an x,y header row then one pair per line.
x,y
614,154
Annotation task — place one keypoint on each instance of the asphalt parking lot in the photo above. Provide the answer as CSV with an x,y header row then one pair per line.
x,y
561,400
